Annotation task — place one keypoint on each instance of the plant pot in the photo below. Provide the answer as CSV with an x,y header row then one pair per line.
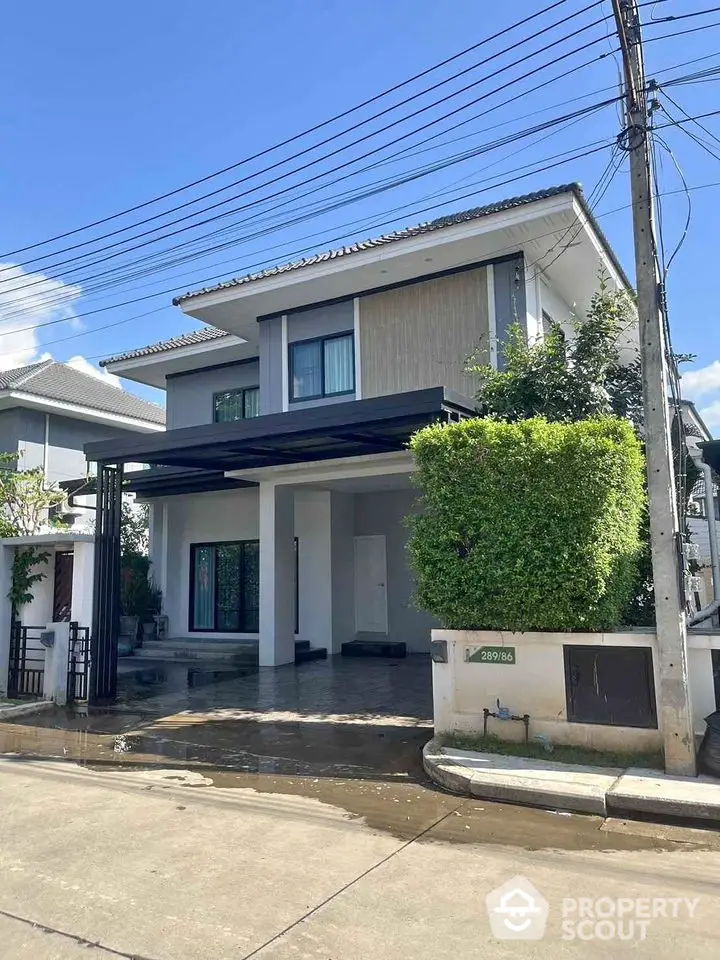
x,y
126,647
149,630
129,628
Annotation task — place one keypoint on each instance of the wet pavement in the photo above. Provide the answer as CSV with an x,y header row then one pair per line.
x,y
348,734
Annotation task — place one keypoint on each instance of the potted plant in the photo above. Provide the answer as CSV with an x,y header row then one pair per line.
x,y
140,600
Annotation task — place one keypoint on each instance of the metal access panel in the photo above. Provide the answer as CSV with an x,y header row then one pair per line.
x,y
610,685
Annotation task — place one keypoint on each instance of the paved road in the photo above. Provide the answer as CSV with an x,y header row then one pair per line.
x,y
172,865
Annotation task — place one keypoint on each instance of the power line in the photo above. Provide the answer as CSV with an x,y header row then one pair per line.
x,y
163,266
373,190
265,199
345,164
292,139
407,176
47,323
598,215
335,136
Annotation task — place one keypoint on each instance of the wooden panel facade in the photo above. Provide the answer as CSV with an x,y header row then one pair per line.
x,y
420,335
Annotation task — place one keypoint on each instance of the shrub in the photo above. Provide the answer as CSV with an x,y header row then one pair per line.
x,y
529,525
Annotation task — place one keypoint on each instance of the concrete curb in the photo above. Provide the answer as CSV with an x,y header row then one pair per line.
x,y
22,709
564,786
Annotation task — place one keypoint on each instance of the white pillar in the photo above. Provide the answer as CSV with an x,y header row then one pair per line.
x,y
56,664
277,604
81,607
313,530
343,569
6,563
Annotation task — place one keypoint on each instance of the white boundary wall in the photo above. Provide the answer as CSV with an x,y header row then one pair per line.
x,y
535,685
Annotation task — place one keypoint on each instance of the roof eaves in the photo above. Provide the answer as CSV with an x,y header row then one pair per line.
x,y
189,339
449,220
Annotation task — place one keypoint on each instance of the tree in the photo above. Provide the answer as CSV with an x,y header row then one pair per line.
x,y
25,503
134,527
565,379
25,499
573,379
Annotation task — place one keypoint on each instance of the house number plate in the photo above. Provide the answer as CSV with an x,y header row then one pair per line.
x,y
492,655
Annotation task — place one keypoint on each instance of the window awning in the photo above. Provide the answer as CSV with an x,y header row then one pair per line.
x,y
351,429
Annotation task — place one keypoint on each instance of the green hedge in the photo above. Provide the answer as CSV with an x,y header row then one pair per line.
x,y
527,526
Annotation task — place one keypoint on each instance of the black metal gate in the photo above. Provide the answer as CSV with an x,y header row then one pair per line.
x,y
26,669
78,663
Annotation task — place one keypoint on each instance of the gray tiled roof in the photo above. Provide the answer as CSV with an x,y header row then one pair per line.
x,y
58,381
449,220
184,340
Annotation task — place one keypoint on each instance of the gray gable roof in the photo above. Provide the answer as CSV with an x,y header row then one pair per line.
x,y
58,381
449,220
183,340
440,223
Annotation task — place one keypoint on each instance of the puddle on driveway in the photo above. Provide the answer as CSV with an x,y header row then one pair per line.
x,y
371,770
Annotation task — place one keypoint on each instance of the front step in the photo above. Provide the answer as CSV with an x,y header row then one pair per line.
x,y
307,653
230,651
392,649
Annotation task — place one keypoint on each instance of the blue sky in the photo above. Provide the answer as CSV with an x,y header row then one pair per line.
x,y
108,105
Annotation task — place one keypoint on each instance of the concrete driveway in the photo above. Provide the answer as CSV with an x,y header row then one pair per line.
x,y
277,826
162,864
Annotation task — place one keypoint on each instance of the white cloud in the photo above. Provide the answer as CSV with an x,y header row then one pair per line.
x,y
697,383
711,415
27,299
80,363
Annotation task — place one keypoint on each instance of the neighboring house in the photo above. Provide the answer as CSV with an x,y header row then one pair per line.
x,y
279,491
698,522
49,411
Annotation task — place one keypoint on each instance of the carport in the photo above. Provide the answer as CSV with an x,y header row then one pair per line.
x,y
323,458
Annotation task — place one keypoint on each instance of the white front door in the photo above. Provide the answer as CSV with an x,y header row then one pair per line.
x,y
370,585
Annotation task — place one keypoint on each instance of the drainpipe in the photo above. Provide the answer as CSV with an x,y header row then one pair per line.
x,y
46,448
714,605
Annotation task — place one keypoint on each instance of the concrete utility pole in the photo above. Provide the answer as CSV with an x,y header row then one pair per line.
x,y
675,711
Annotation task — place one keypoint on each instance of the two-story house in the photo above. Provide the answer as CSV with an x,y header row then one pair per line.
x,y
280,488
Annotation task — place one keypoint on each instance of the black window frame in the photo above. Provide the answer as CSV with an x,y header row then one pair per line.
x,y
243,391
321,340
191,604
225,543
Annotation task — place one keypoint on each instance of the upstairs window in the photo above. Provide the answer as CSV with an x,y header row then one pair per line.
x,y
323,367
238,404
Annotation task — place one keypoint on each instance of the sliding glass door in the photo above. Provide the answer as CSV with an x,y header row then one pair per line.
x,y
225,587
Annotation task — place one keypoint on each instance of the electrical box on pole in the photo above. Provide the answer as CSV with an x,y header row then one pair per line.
x,y
674,708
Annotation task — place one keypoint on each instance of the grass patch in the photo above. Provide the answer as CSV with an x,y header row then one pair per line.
x,y
652,759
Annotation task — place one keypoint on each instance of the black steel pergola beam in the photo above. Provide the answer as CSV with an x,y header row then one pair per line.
x,y
180,445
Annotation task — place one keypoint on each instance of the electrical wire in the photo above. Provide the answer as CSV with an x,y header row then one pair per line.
x,y
405,178
292,139
598,216
171,290
345,164
208,251
339,116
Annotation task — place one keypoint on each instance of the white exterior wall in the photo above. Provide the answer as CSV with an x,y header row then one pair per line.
x,y
535,684
313,517
39,611
201,518
325,524
553,303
